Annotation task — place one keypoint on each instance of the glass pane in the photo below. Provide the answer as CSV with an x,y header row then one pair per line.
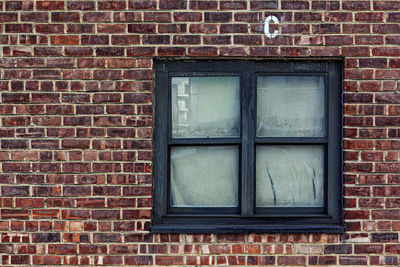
x,y
205,107
204,176
290,106
290,176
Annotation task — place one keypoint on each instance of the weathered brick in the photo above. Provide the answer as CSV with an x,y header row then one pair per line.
x,y
97,17
353,260
45,237
187,16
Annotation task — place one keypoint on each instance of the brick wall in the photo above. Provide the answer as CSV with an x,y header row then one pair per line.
x,y
76,126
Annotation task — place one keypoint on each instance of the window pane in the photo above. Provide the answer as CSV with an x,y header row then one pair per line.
x,y
290,176
204,176
205,107
290,106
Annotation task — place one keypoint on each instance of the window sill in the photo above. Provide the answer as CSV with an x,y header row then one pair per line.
x,y
247,229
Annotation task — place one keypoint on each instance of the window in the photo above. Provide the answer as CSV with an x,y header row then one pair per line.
x,y
247,147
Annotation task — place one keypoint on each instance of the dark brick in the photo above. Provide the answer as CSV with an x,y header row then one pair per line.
x,y
384,237
45,237
217,17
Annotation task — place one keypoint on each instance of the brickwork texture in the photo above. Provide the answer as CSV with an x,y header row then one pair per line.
x,y
76,118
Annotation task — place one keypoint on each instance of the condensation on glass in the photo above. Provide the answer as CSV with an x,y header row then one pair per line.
x,y
204,176
291,106
290,176
205,107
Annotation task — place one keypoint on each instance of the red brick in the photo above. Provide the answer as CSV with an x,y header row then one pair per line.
x,y
202,51
353,260
216,40
141,51
325,5
175,28
111,5
141,28
65,17
295,5
356,5
247,16
356,28
217,17
355,51
64,40
20,259
369,40
386,191
325,28
387,28
292,260
246,249
18,28
50,5
169,260
127,16
386,5
138,260
18,5
295,28
187,16
28,16
338,16
386,214
233,28
339,40
203,5
157,16
186,39
328,51
97,17
247,40
177,4
369,16
384,237
159,39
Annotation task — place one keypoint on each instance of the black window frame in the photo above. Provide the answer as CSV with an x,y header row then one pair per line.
x,y
247,218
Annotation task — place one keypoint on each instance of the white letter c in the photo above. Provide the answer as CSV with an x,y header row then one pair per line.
x,y
266,26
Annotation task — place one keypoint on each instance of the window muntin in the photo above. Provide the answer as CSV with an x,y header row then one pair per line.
x,y
244,86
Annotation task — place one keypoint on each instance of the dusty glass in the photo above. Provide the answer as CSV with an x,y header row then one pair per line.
x,y
290,176
290,106
204,176
205,107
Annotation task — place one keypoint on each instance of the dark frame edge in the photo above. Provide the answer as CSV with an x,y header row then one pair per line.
x,y
247,229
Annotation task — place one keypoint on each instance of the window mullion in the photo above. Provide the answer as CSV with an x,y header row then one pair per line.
x,y
247,166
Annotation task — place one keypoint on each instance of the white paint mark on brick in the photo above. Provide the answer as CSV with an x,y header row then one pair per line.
x,y
205,249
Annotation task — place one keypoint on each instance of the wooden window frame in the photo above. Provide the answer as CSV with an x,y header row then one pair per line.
x,y
247,218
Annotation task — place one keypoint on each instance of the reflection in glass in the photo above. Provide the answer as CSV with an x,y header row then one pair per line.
x,y
290,176
205,107
290,106
204,176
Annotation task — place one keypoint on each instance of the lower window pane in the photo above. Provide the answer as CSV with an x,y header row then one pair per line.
x,y
290,176
205,176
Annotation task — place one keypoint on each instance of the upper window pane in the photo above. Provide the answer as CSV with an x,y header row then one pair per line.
x,y
290,106
205,107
